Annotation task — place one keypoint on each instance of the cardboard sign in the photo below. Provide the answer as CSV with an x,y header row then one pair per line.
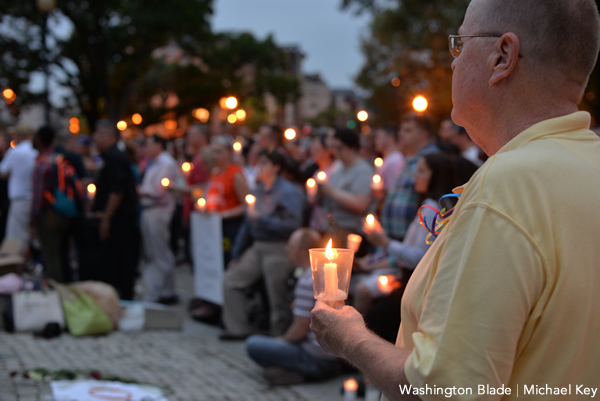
x,y
207,252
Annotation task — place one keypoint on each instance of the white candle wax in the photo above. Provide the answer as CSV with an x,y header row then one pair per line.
x,y
350,388
311,188
377,184
331,279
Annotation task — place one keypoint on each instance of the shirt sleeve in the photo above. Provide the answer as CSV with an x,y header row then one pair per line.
x,y
288,216
472,317
7,162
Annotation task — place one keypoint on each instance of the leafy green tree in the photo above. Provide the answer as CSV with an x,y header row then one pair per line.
x,y
408,41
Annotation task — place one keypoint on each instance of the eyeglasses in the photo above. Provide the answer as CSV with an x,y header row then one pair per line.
x,y
455,42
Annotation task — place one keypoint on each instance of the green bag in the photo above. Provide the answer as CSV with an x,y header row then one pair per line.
x,y
83,315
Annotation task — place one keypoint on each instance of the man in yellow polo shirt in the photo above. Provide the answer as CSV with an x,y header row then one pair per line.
x,y
505,302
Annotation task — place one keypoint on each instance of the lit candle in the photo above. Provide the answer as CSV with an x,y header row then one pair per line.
x,y
353,242
330,273
165,182
91,188
377,184
250,200
237,147
378,162
385,285
322,177
370,221
311,188
201,205
350,388
186,168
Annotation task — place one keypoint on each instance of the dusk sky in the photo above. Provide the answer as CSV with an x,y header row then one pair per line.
x,y
329,38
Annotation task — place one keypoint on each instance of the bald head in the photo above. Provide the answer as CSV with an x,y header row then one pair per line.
x,y
555,35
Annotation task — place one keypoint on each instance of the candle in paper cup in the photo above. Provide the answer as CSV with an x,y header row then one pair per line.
x,y
91,188
331,269
353,242
250,200
311,188
377,184
350,389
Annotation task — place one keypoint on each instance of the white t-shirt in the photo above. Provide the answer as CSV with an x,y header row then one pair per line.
x,y
19,163
393,164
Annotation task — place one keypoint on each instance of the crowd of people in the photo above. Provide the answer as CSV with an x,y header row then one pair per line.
x,y
131,224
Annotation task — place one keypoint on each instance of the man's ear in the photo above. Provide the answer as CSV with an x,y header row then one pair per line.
x,y
505,58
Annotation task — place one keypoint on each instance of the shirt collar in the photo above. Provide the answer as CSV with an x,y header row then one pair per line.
x,y
579,120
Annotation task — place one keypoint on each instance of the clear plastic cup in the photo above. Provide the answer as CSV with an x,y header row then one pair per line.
x,y
331,273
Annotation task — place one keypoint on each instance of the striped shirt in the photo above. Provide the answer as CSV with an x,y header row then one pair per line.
x,y
400,206
304,302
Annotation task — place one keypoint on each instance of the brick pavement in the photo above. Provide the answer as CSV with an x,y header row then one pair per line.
x,y
192,367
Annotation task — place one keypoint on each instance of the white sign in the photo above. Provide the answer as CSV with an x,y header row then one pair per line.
x,y
94,390
207,252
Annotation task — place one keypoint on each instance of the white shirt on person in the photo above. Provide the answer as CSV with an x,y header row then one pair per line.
x,y
152,188
18,164
393,163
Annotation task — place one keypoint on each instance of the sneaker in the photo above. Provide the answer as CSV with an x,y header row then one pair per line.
x,y
276,376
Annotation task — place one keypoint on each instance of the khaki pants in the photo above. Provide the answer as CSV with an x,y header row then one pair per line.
x,y
158,273
263,259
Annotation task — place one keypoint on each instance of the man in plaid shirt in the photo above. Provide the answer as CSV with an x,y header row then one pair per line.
x,y
400,206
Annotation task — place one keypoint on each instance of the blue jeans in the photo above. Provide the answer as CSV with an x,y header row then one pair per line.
x,y
272,352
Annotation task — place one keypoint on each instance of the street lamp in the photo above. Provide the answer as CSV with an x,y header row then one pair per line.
x,y
362,116
45,6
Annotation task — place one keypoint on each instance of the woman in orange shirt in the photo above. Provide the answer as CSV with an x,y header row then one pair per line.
x,y
225,194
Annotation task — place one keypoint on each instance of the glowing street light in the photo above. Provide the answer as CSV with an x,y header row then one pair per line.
x,y
74,125
8,93
420,104
231,102
231,118
362,116
396,82
136,118
290,134
122,125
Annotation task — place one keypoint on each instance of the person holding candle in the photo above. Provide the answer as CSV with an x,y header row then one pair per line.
x,y
224,194
386,143
347,191
435,177
158,205
277,213
114,260
295,356
508,292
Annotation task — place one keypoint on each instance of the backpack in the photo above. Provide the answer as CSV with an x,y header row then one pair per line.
x,y
67,195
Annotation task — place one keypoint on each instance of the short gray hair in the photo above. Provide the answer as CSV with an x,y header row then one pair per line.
x,y
561,35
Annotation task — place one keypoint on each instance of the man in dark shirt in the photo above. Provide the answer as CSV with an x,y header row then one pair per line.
x,y
116,206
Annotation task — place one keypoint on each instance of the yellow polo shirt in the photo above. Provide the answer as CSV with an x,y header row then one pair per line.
x,y
509,294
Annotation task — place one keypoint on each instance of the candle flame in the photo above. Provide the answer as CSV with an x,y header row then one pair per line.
x,y
237,146
186,167
351,385
370,219
378,162
201,202
250,199
310,183
165,182
383,280
329,251
321,176
91,189
376,178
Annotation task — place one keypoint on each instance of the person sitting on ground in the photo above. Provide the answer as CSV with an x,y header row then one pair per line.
x,y
276,214
295,356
